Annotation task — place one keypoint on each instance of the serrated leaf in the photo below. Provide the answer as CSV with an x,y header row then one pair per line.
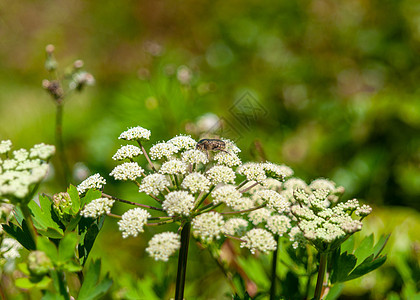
x,y
88,231
368,265
67,247
380,245
342,266
44,217
72,267
90,195
22,235
75,199
50,296
51,233
73,223
92,287
45,245
365,249
348,245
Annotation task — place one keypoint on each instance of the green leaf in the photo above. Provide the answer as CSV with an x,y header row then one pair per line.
x,y
335,291
67,247
380,245
368,265
33,282
75,199
45,245
342,266
23,267
72,267
22,235
50,296
365,249
348,245
90,195
73,223
45,218
88,231
92,287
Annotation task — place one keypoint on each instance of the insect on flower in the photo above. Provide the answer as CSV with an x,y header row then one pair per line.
x,y
207,145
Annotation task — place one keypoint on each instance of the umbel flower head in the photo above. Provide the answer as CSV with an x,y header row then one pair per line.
x,y
220,197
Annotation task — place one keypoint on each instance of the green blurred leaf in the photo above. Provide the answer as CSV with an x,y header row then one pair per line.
x,y
92,287
348,245
88,231
67,247
255,270
73,223
365,249
29,283
44,244
91,194
72,266
23,267
45,220
75,199
334,291
50,296
22,235
342,266
380,245
368,265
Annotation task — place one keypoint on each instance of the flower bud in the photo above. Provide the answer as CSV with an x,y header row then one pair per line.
x,y
62,206
38,263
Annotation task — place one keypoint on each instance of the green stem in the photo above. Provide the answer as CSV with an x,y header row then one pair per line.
x,y
28,218
274,271
61,284
321,275
182,262
59,141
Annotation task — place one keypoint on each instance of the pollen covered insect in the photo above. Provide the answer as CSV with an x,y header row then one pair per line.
x,y
207,145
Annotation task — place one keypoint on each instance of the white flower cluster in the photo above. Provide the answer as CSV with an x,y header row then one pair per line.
x,y
273,199
208,226
259,215
227,194
163,149
163,245
183,142
278,224
235,226
132,222
196,182
194,157
221,174
173,167
95,181
9,249
252,171
227,159
153,184
135,133
127,171
19,173
97,208
277,171
258,239
127,152
178,203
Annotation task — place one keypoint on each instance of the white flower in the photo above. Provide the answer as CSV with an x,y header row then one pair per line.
x,y
363,210
278,224
128,151
135,133
174,166
9,164
259,215
153,184
132,222
42,151
322,183
252,171
221,174
21,154
183,142
295,183
258,239
235,226
228,159
97,207
271,184
230,146
95,181
10,248
28,164
163,149
208,226
5,146
243,204
196,182
194,157
227,194
163,245
273,199
127,171
178,202
277,171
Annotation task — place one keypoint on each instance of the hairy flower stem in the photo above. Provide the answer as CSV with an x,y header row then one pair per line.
x,y
274,271
182,262
321,275
59,141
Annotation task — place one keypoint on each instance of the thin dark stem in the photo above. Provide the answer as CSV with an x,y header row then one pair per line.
x,y
59,141
321,275
274,271
242,184
132,203
233,237
114,215
248,188
182,262
161,223
147,156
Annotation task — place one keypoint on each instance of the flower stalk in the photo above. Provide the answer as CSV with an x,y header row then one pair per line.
x,y
182,262
274,271
321,275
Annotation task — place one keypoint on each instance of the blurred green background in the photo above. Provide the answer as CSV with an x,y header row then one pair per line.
x,y
330,88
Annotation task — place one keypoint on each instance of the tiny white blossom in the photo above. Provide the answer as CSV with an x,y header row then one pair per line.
x,y
295,183
153,184
227,194
5,146
259,215
135,133
21,154
95,181
252,171
273,199
9,164
230,146
127,171
9,248
194,157
363,210
277,171
221,174
243,203
227,159
278,224
196,182
127,152
271,184
163,245
163,149
322,183
235,226
178,202
174,166
208,226
132,222
258,239
183,142
42,151
97,207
